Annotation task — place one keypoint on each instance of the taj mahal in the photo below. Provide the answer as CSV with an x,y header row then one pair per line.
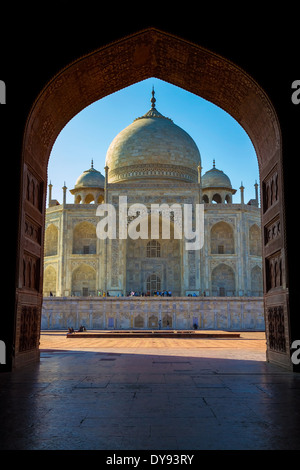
x,y
141,283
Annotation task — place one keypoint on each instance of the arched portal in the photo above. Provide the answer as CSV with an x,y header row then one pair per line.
x,y
222,238
143,55
155,264
153,284
84,238
223,280
83,280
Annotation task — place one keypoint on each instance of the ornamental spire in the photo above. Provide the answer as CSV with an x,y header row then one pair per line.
x,y
153,100
153,113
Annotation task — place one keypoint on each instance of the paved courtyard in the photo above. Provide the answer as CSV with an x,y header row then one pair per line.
x,y
249,346
171,394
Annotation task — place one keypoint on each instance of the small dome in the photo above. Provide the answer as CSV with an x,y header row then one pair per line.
x,y
153,147
90,179
215,178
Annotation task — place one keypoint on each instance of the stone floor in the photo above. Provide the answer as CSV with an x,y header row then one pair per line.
x,y
157,394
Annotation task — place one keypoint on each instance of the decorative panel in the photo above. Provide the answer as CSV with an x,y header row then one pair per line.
x,y
270,190
34,191
29,328
32,230
31,271
272,230
274,271
192,269
276,329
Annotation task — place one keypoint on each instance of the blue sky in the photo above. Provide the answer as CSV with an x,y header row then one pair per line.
x,y
88,135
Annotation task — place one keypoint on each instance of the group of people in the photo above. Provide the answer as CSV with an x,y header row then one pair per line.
x,y
164,293
80,329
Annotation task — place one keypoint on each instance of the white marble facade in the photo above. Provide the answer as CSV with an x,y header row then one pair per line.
x,y
153,161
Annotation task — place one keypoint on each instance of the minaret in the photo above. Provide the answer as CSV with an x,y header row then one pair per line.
x,y
50,186
242,193
64,188
256,192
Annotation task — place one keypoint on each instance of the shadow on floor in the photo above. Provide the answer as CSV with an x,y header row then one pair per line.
x,y
75,400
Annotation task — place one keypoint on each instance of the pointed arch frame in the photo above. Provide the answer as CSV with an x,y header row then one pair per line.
x,y
153,53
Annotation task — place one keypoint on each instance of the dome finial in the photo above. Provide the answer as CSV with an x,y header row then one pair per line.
x,y
92,163
153,100
214,163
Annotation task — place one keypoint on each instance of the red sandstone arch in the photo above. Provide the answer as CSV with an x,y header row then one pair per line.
x,y
142,55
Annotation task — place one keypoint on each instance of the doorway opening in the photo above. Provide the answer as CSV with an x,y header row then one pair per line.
x,y
153,284
143,55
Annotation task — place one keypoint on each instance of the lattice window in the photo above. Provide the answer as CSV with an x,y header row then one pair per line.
x,y
153,249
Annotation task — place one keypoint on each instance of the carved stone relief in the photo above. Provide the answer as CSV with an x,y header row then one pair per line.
x,y
29,328
276,329
34,191
31,272
274,271
270,190
32,230
272,231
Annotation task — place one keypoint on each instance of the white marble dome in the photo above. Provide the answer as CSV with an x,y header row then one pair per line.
x,y
152,147
90,179
215,178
